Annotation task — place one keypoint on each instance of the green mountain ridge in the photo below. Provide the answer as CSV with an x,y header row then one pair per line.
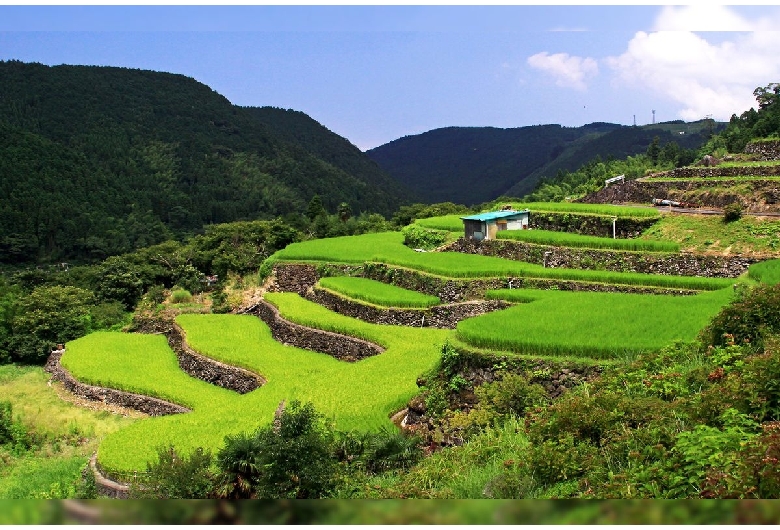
x,y
97,161
473,165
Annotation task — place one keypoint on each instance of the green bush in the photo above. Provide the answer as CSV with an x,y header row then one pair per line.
x,y
176,476
747,320
181,296
416,236
732,212
290,458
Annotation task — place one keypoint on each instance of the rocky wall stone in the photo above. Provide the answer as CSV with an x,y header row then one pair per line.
x,y
293,278
452,291
209,370
443,316
767,150
105,485
674,264
591,225
148,405
718,171
341,347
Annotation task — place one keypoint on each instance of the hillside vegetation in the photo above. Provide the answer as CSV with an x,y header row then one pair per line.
x,y
473,165
533,381
99,161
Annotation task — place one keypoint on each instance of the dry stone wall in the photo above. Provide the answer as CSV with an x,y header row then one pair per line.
x,y
443,316
674,264
451,291
341,347
148,405
766,150
591,225
209,370
757,195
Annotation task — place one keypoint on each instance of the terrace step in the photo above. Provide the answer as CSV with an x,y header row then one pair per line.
x,y
341,347
444,316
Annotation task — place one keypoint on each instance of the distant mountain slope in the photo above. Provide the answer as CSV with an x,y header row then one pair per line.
x,y
471,165
299,128
95,161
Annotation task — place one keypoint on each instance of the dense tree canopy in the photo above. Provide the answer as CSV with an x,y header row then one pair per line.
x,y
101,161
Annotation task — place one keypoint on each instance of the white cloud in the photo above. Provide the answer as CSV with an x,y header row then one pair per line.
x,y
702,76
568,70
701,18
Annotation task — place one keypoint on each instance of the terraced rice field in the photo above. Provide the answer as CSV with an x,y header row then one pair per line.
x,y
585,324
356,396
388,248
362,396
378,293
566,239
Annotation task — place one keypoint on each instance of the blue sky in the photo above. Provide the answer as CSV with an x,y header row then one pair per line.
x,y
373,73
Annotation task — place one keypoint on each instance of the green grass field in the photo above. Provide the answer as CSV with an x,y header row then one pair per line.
x,y
585,208
566,239
387,248
585,324
356,396
766,271
378,293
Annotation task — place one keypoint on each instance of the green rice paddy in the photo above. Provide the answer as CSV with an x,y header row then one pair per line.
x,y
766,271
387,248
356,396
378,293
566,239
596,325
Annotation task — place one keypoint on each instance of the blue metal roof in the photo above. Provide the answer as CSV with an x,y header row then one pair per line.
x,y
489,216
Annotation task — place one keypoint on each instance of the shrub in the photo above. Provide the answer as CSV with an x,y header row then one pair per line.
x,y
426,238
12,432
174,476
747,320
290,458
181,296
732,212
377,452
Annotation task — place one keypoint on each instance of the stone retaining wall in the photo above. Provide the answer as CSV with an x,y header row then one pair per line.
x,y
104,485
590,225
442,316
293,278
339,346
767,150
718,171
479,368
209,370
148,405
674,264
764,195
451,291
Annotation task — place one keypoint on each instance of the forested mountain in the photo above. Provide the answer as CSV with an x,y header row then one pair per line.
x,y
97,161
471,165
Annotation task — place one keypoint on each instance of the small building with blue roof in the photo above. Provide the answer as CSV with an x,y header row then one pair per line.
x,y
486,225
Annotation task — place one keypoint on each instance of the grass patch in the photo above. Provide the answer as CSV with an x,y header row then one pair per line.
x,y
466,472
66,435
596,325
585,208
450,223
708,233
565,239
766,271
378,293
